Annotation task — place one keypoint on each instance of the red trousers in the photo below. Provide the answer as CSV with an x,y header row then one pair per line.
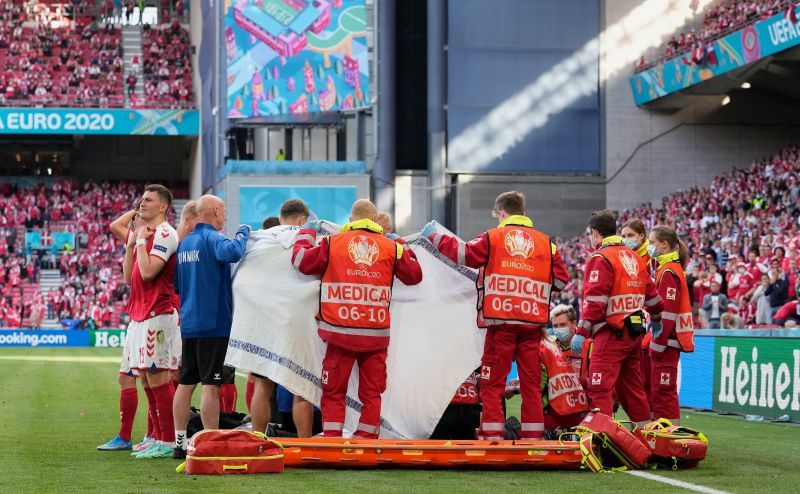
x,y
616,365
664,384
336,369
504,344
646,375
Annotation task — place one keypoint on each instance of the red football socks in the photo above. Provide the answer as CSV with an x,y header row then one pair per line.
x,y
128,401
163,396
152,414
227,398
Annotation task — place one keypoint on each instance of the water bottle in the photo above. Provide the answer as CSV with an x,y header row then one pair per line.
x,y
754,418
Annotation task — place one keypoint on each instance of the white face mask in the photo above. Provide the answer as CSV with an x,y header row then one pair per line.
x,y
631,243
651,249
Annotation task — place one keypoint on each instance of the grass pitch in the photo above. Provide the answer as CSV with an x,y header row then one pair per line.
x,y
53,413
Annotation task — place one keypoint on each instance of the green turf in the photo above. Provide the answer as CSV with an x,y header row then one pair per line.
x,y
54,414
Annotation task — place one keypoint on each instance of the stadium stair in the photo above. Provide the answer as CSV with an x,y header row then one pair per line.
x,y
50,279
177,205
132,47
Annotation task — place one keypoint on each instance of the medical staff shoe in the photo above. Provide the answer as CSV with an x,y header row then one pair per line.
x,y
116,444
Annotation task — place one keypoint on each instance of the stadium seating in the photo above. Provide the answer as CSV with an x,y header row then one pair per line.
x,y
91,286
53,56
724,17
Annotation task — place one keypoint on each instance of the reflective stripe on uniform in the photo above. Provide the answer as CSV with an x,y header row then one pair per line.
x,y
674,344
353,331
516,286
332,426
653,301
437,237
532,427
669,316
597,298
656,347
305,236
597,326
461,256
298,258
624,304
585,325
559,284
372,429
497,322
355,294
493,426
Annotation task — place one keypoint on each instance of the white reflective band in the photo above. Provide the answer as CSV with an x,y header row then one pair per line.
x,y
461,256
532,427
298,258
685,322
372,429
597,298
624,304
585,324
559,284
674,344
378,333
332,426
437,237
517,286
490,438
498,322
597,326
493,426
684,330
653,301
355,294
656,347
304,236
669,316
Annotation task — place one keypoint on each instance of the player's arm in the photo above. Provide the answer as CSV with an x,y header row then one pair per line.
x,y
230,250
669,292
119,227
407,269
597,281
307,258
165,243
473,254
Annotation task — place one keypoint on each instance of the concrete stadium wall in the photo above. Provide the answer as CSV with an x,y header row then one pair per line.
x,y
557,205
650,153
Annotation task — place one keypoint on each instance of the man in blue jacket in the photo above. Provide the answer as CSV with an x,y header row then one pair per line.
x,y
203,281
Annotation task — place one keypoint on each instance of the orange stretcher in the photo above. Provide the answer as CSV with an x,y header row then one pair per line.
x,y
319,452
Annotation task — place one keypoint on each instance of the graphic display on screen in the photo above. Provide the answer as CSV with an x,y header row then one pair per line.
x,y
325,203
295,56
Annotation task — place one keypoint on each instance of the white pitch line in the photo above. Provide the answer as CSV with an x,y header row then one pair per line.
x,y
676,483
58,358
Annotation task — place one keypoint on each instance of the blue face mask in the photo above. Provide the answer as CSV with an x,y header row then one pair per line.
x,y
651,249
561,334
631,243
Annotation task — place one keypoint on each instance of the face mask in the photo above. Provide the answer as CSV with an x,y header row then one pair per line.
x,y
741,270
631,243
561,334
651,249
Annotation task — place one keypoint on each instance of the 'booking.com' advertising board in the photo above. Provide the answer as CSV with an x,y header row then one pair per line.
x,y
295,56
106,121
326,203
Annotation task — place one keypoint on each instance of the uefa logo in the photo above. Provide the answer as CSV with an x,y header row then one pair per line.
x,y
519,243
629,262
363,250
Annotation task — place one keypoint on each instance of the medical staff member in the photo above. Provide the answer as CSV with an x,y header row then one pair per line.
x,y
677,333
634,236
203,281
616,291
519,268
358,267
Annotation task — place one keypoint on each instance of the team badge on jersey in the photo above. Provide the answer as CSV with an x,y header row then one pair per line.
x,y
160,336
672,293
594,276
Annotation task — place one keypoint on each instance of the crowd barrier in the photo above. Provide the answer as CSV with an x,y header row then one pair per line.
x,y
740,371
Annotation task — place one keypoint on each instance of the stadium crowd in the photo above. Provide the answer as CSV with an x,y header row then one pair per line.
x,y
167,66
91,293
724,17
747,219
